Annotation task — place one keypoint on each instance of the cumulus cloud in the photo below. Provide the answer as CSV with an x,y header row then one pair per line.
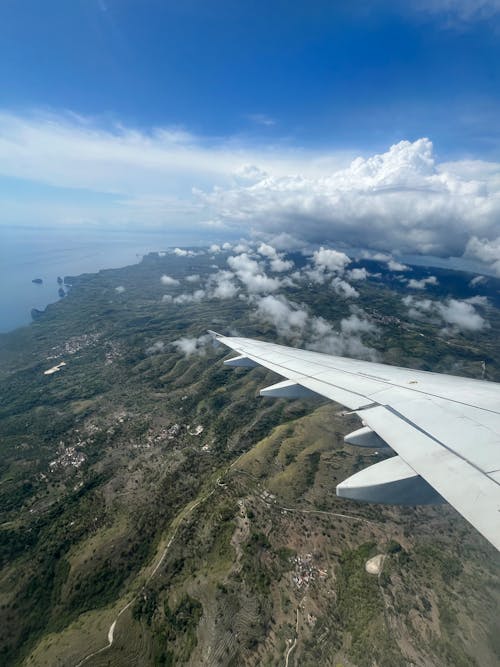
x,y
182,252
331,260
215,248
346,341
120,289
251,274
358,274
168,280
280,312
401,199
195,297
156,347
241,247
223,285
422,284
193,278
457,315
344,289
277,261
294,321
190,346
487,251
393,265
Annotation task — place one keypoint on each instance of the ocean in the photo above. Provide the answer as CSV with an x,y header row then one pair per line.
x,y
29,253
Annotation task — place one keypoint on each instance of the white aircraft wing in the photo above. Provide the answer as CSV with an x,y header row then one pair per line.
x,y
444,429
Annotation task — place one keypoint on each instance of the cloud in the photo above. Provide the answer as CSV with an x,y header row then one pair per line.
x,y
182,252
277,261
485,250
343,289
346,341
422,284
223,286
195,297
401,199
190,346
331,260
252,275
156,348
295,321
459,316
280,312
393,265
358,274
168,280
478,280
120,289
193,278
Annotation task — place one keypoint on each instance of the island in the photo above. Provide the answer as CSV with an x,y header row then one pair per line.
x,y
152,505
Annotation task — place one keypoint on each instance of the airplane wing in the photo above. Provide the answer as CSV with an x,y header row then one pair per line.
x,y
444,429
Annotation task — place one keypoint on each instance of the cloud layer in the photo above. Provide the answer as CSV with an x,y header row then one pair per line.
x,y
402,200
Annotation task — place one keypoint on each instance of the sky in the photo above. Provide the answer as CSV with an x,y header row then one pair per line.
x,y
361,124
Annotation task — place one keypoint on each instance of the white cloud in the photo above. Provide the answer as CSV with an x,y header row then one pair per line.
x,y
487,251
457,315
241,247
193,278
293,321
279,265
401,199
195,297
393,265
276,260
345,342
168,280
280,312
252,275
156,348
422,284
120,289
461,315
478,280
181,252
358,274
343,289
190,346
215,248
331,260
223,286
478,300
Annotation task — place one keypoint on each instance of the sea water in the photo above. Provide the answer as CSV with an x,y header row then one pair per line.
x,y
30,253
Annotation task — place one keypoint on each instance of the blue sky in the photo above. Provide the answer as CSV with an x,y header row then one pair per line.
x,y
361,77
128,112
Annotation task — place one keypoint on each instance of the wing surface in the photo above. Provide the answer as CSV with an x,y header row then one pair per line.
x,y
445,429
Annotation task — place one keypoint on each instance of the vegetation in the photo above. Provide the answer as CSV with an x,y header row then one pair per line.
x,y
110,493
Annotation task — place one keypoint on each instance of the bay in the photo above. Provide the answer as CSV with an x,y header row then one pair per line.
x,y
46,253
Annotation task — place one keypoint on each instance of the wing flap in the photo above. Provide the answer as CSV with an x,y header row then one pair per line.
x,y
445,428
472,493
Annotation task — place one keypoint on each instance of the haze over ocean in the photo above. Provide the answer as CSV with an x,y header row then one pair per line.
x,y
29,253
